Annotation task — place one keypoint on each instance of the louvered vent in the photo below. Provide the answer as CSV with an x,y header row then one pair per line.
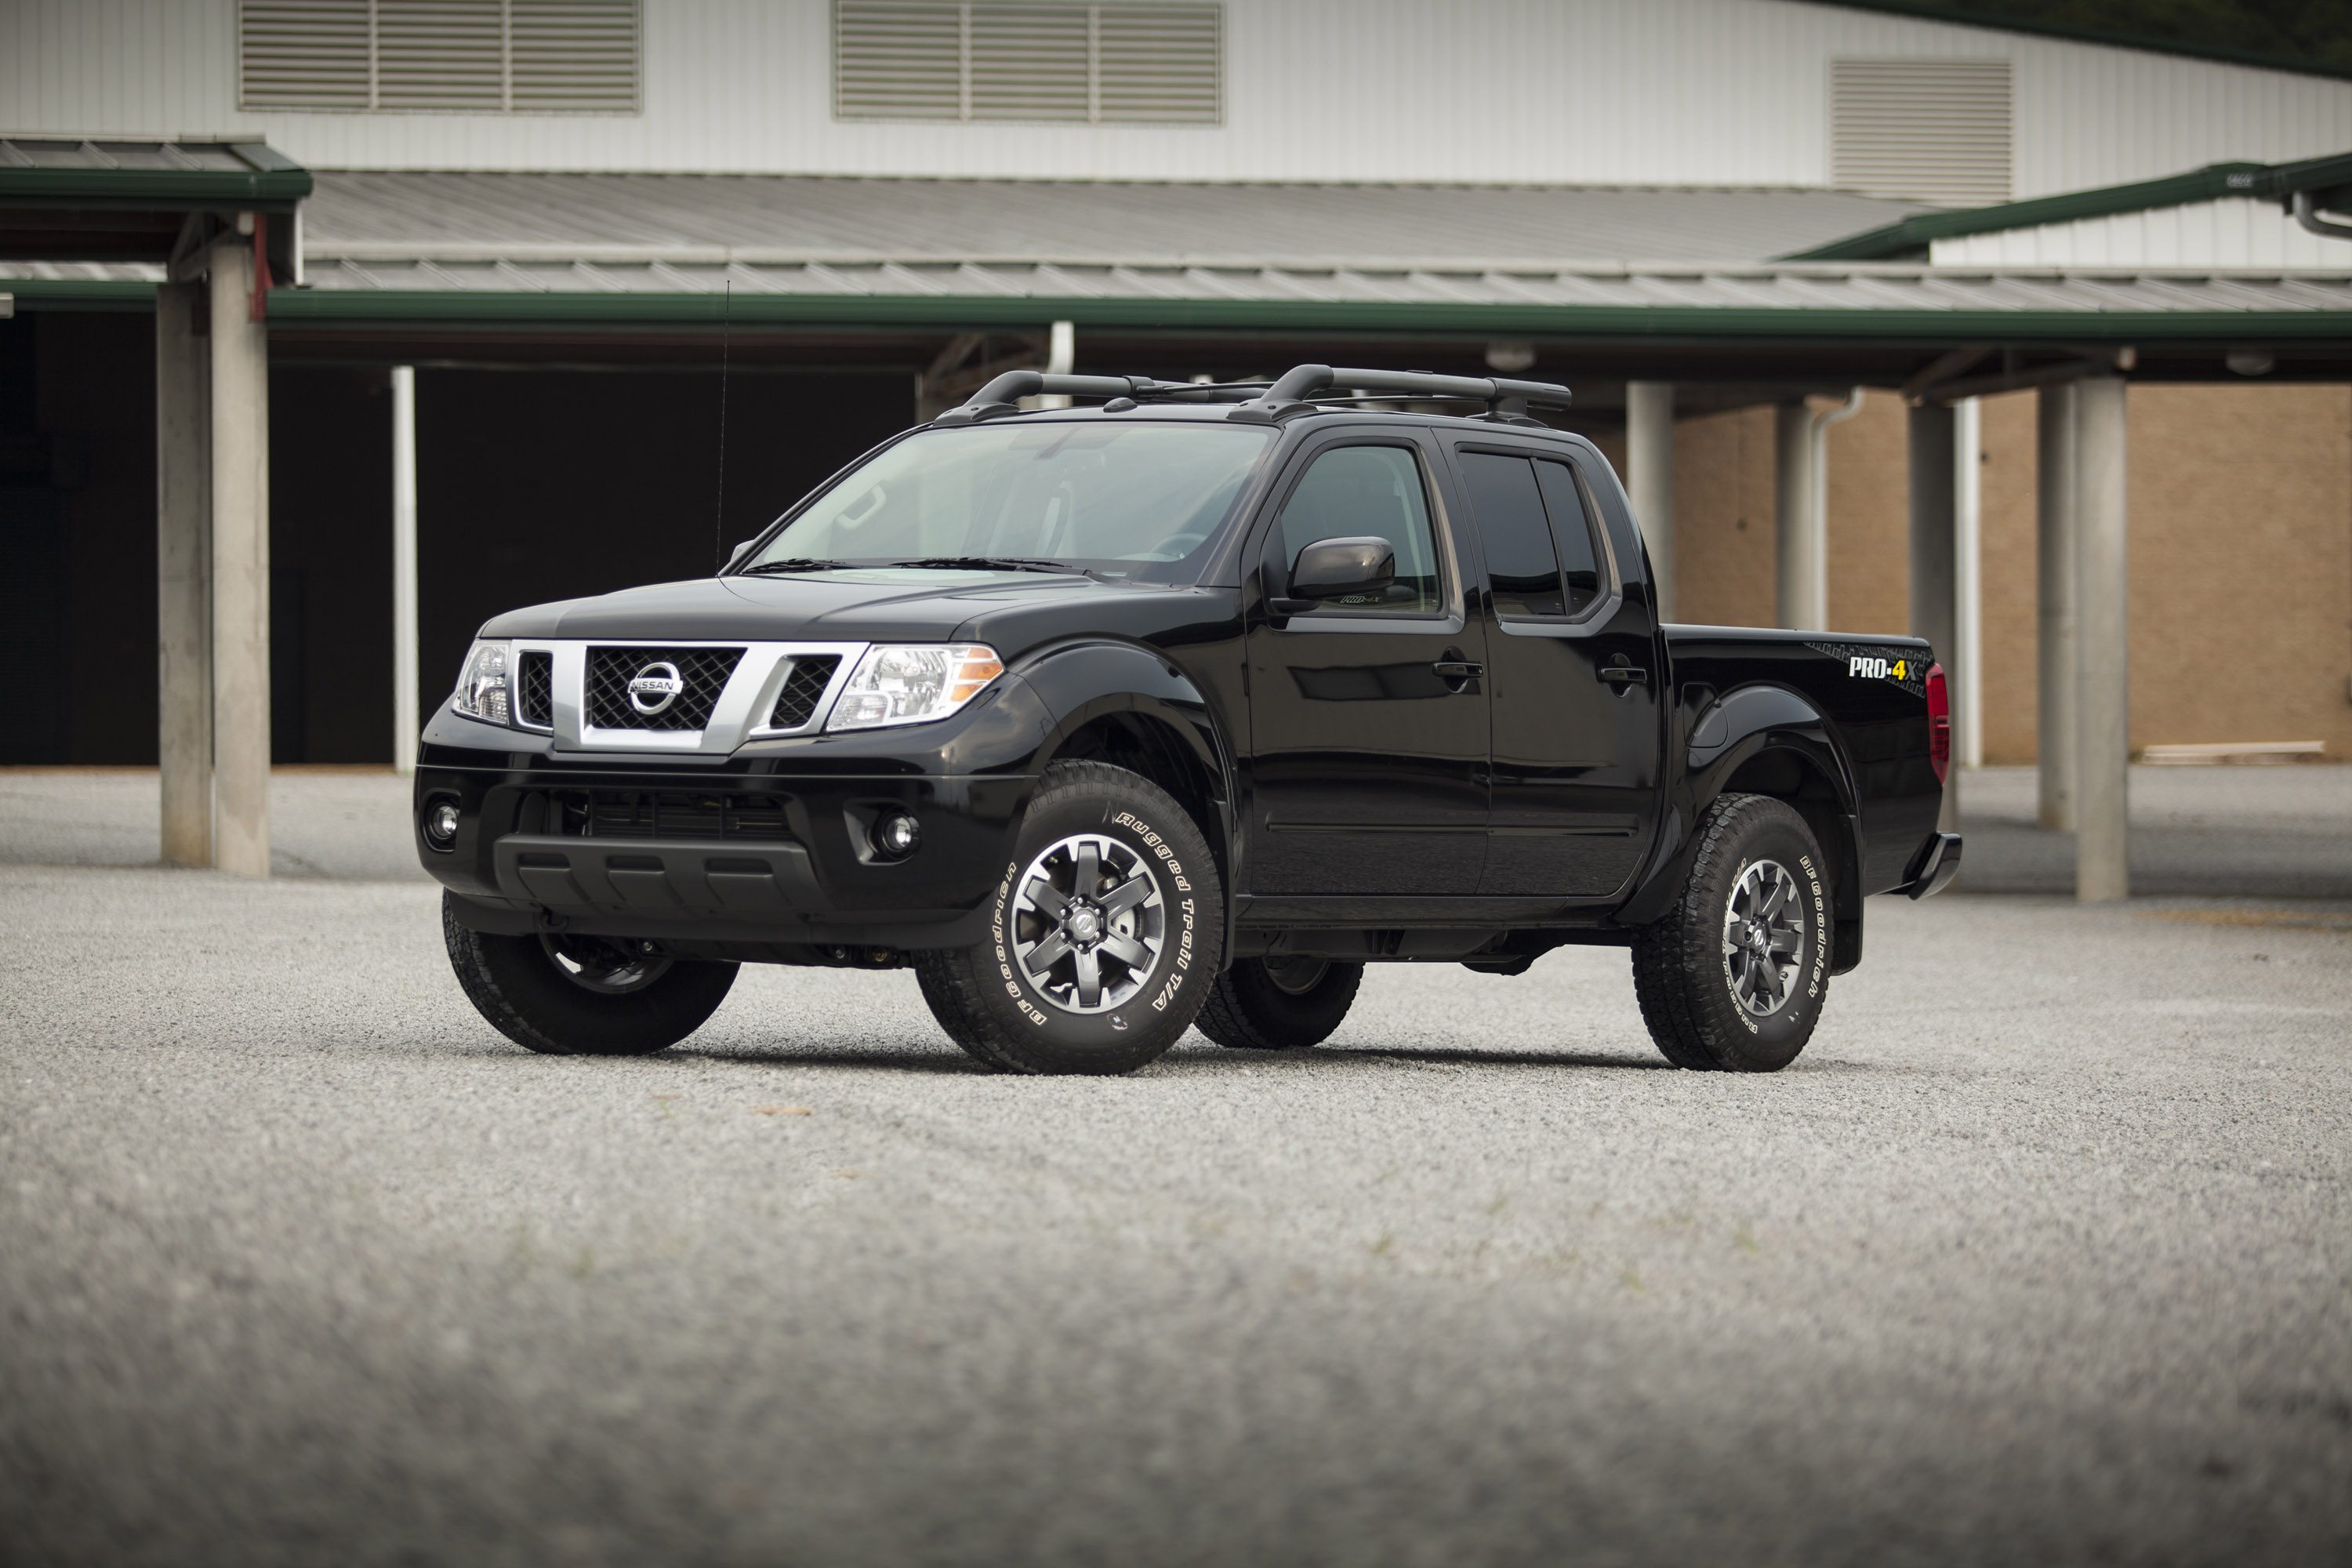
x,y
1930,129
1131,63
478,57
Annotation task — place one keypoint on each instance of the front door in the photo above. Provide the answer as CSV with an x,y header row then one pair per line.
x,y
1368,717
1573,690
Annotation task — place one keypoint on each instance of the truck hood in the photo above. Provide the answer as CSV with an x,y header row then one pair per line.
x,y
850,605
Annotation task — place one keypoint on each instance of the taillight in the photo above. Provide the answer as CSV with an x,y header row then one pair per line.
x,y
1939,723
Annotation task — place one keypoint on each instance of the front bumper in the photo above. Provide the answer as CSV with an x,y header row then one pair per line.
x,y
770,847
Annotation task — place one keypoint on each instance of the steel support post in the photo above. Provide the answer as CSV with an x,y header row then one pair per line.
x,y
1649,478
1968,575
1795,573
183,572
240,560
1934,551
404,675
2102,644
2057,501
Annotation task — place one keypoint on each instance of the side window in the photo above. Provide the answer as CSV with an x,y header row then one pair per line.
x,y
1521,562
1571,528
1351,491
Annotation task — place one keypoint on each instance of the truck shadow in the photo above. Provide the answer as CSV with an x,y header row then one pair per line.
x,y
1487,1058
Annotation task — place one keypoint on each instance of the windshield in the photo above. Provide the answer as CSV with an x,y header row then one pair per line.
x,y
1134,502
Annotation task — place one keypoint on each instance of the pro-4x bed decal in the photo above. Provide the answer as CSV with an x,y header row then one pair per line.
x,y
1907,670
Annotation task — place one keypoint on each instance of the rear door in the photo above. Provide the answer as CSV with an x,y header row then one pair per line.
x,y
1570,669
1368,719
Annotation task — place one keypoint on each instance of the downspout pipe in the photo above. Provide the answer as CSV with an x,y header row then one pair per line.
x,y
1817,523
2308,216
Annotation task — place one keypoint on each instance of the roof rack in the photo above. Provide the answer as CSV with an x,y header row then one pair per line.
x,y
1269,403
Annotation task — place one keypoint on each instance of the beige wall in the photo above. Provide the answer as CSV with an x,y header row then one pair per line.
x,y
2241,549
1722,519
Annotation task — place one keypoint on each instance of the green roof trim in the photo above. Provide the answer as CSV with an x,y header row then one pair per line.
x,y
257,178
414,307
1909,239
2069,33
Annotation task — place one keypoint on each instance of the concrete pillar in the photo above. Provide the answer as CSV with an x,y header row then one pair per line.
x,y
183,572
2055,501
404,675
1649,478
1935,554
1968,575
2101,645
240,524
1796,606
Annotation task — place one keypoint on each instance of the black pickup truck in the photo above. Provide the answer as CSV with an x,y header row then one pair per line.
x,y
1177,709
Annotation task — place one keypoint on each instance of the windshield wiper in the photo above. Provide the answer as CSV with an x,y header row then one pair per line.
x,y
798,564
996,563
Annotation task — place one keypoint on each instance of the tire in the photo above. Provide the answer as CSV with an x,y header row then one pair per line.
x,y
1019,1001
581,996
1712,999
1265,1006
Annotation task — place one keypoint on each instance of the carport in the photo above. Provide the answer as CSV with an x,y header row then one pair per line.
x,y
950,281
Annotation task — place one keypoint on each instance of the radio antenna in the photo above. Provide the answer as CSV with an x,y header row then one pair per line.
x,y
726,342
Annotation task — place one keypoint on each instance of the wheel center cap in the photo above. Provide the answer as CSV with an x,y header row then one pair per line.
x,y
1086,925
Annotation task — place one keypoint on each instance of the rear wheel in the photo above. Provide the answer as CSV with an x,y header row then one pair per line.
x,y
1273,1004
1733,978
565,994
1103,935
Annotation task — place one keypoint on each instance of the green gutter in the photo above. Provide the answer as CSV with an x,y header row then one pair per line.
x,y
461,312
1909,239
410,309
2105,37
270,184
79,294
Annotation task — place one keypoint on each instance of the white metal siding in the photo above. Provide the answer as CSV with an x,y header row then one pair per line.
x,y
2234,233
1927,128
1674,92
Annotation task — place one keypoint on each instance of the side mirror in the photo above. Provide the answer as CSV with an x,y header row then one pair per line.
x,y
1338,569
736,554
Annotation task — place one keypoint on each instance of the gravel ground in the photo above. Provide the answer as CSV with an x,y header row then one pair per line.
x,y
2043,1252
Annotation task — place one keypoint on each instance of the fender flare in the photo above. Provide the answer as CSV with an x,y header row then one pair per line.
x,y
1085,680
1724,737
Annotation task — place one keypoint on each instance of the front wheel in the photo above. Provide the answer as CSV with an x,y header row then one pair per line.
x,y
1733,978
570,995
1103,935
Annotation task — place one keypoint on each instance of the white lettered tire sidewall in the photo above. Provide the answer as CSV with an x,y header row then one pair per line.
x,y
1781,1035
992,1005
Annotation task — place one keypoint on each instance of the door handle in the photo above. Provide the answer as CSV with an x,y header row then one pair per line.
x,y
1625,675
1459,668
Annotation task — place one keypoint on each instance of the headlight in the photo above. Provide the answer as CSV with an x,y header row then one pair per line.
x,y
913,685
482,691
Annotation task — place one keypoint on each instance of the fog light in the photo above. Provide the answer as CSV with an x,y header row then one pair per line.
x,y
441,823
896,835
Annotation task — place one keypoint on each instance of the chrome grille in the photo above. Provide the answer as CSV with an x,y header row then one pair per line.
x,y
703,670
804,688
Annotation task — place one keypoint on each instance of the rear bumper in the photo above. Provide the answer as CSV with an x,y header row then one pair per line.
x,y
1939,863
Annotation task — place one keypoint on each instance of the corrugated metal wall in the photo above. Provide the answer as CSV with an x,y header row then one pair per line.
x,y
1577,91
2209,234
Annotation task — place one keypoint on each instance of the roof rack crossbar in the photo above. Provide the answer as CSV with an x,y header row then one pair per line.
x,y
1505,400
1261,402
1003,395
